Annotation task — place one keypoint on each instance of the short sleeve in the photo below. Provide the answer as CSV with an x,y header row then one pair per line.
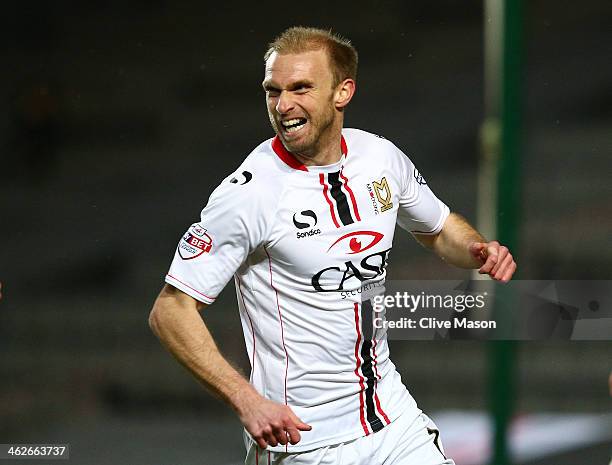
x,y
420,211
231,226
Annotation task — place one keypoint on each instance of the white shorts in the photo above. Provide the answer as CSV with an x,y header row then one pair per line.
x,y
404,442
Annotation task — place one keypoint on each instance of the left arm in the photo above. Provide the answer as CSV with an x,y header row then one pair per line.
x,y
461,245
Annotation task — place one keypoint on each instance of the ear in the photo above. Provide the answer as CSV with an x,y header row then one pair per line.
x,y
344,93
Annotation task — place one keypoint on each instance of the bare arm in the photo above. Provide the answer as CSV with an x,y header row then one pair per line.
x,y
175,320
461,245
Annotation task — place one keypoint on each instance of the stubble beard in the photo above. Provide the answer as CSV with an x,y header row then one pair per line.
x,y
308,148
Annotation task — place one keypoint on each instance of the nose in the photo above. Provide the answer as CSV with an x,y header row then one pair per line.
x,y
285,103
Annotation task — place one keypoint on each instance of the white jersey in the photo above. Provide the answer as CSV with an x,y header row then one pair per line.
x,y
308,246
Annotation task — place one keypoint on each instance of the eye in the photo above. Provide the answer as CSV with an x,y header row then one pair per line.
x,y
271,91
358,241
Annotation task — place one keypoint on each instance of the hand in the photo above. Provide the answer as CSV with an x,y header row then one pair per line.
x,y
496,260
271,423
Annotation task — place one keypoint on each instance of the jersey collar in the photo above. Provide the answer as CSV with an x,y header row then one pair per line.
x,y
289,159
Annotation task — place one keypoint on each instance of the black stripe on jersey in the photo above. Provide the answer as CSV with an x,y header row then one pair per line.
x,y
367,367
340,197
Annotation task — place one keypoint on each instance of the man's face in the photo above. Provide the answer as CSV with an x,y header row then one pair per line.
x,y
300,100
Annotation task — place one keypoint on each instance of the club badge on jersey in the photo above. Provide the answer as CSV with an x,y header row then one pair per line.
x,y
195,242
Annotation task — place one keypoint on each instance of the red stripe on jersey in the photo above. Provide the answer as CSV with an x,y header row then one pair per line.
x,y
361,406
378,407
329,202
250,322
343,146
192,288
287,156
256,455
350,192
269,455
280,318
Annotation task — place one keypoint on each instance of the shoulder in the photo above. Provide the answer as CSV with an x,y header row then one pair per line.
x,y
354,135
258,179
373,145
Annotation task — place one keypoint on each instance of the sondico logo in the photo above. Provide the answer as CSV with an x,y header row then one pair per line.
x,y
304,220
242,178
333,278
383,194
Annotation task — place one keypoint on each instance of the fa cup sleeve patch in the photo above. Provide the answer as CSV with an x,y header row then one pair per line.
x,y
195,242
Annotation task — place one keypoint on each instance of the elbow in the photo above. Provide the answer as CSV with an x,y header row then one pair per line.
x,y
159,310
155,317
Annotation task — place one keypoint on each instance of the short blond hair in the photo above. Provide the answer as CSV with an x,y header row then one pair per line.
x,y
341,53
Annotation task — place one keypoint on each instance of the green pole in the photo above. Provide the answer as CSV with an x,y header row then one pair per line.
x,y
502,354
509,186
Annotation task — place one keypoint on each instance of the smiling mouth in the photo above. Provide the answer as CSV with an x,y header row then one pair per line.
x,y
293,125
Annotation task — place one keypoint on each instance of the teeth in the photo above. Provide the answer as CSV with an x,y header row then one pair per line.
x,y
293,125
291,122
295,128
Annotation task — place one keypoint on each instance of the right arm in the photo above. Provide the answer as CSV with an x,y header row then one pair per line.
x,y
176,321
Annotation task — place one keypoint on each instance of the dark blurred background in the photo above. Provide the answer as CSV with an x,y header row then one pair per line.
x,y
119,121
